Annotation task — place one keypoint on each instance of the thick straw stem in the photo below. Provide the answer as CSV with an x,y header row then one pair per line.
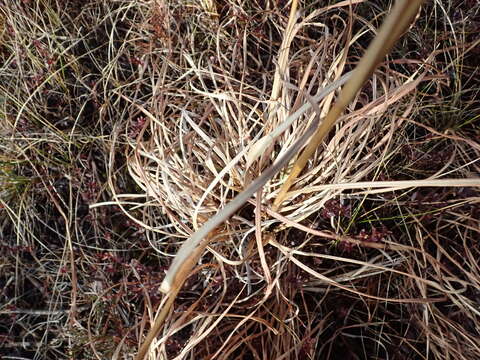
x,y
192,249
396,23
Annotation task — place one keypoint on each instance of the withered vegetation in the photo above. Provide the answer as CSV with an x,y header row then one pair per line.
x,y
126,125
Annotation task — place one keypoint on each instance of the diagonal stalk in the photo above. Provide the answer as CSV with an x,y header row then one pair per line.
x,y
188,255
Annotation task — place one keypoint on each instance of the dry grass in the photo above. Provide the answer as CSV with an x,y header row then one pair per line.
x,y
126,125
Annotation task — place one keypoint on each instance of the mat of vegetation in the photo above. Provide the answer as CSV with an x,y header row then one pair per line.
x,y
126,124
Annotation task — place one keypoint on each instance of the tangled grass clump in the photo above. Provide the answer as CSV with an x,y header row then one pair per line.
x,y
126,125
